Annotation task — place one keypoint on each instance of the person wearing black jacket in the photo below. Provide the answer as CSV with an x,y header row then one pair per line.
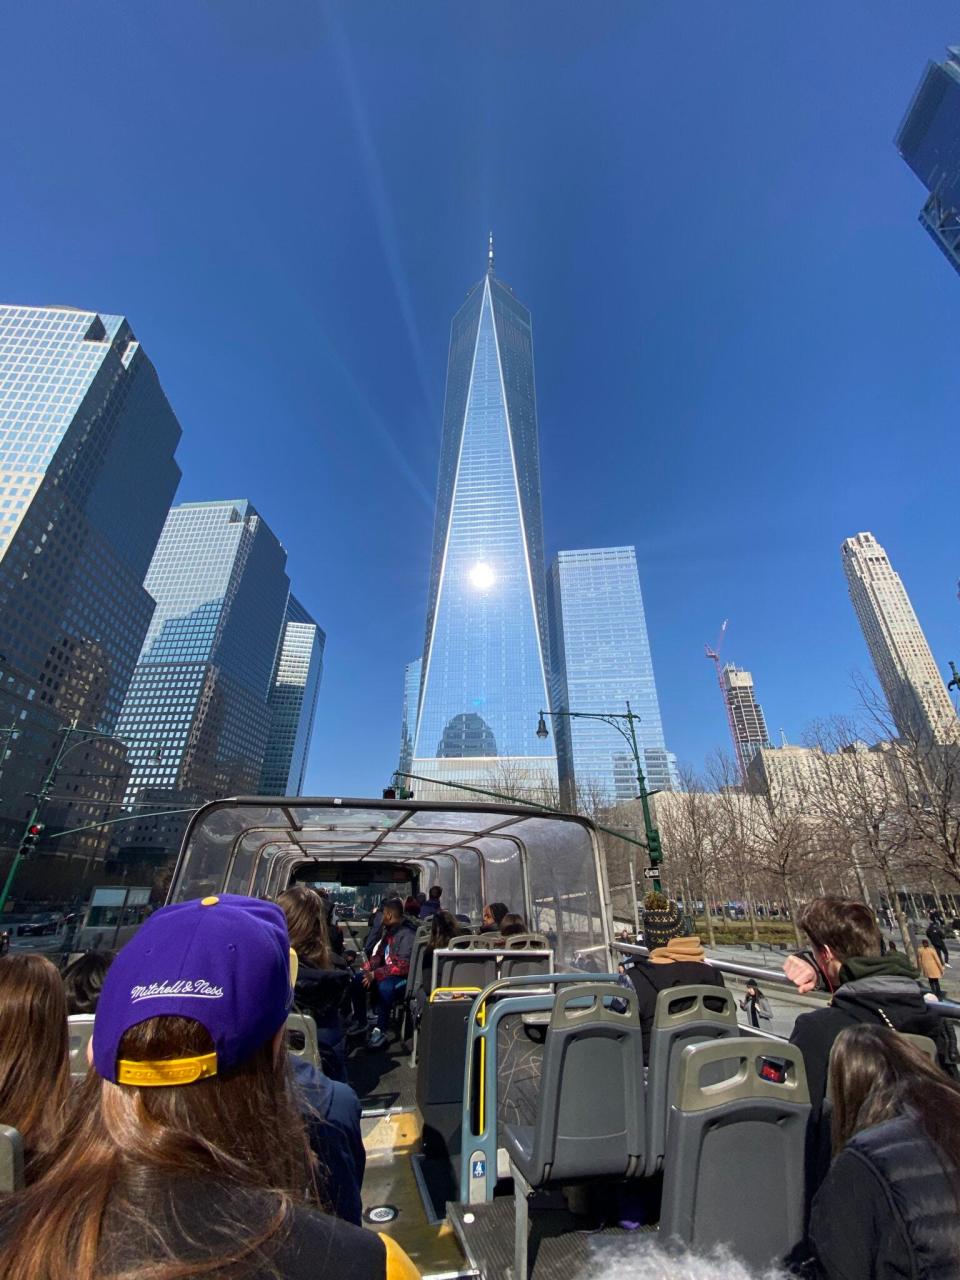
x,y
867,987
323,977
888,1208
673,961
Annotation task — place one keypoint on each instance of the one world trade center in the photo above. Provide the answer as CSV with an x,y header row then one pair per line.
x,y
484,676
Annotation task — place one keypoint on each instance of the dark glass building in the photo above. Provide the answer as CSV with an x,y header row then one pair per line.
x,y
929,141
484,677
87,474
198,708
293,702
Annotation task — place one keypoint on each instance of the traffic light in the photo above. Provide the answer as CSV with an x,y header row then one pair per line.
x,y
389,793
653,848
29,842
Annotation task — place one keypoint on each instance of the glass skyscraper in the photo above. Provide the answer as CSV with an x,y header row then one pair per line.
x,y
484,677
602,660
293,702
198,708
929,141
408,726
87,474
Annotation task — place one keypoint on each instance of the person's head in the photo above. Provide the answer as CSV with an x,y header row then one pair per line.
x,y
662,920
421,898
436,893
925,942
443,927
306,916
512,923
83,979
877,1075
392,913
34,1052
891,946
190,1080
493,913
411,905
839,928
752,989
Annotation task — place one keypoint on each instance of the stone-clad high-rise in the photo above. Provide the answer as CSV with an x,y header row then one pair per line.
x,y
908,675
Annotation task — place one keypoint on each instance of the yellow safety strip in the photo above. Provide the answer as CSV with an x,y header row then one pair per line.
x,y
463,991
399,1266
166,1071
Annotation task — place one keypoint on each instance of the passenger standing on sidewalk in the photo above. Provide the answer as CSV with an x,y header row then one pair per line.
x,y
931,967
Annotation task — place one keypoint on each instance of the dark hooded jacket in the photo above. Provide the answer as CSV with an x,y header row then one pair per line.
x,y
881,990
886,1211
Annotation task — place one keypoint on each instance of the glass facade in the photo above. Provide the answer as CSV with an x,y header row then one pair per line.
x,y
602,660
485,659
411,696
198,708
929,141
293,702
87,474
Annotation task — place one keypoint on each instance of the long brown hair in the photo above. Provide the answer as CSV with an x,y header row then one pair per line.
x,y
307,925
34,1051
100,1202
877,1075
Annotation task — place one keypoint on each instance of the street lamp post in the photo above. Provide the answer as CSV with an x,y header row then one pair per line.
x,y
624,725
34,827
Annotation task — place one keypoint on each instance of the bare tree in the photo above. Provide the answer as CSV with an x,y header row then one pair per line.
x,y
687,824
785,847
734,834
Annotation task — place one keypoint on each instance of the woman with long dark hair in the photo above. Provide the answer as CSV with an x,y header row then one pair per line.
x,y
34,1053
889,1205
323,979
185,1154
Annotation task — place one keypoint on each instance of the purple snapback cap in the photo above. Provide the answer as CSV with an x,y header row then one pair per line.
x,y
222,961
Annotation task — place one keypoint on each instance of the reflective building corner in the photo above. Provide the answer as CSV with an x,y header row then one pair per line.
x,y
293,702
602,660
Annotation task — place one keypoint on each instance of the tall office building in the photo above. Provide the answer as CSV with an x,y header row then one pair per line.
x,y
602,660
87,474
747,725
293,702
929,141
484,678
912,685
411,696
198,708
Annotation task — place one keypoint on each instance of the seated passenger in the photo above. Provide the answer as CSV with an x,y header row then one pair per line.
x,y
493,913
432,904
411,907
186,1154
442,929
385,973
34,1054
83,980
888,1206
512,923
323,977
673,961
332,1111
867,986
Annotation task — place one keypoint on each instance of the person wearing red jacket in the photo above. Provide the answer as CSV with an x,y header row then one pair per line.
x,y
385,973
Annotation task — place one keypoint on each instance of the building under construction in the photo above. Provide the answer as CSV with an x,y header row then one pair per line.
x,y
748,728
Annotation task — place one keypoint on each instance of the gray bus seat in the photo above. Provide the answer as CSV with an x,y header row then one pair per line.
x,y
11,1160
302,1038
464,967
524,941
590,1123
733,1172
522,962
442,1049
79,1034
684,1015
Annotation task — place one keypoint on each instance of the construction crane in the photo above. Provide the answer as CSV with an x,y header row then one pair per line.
x,y
714,656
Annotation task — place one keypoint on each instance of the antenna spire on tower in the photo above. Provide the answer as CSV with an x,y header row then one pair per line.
x,y
490,255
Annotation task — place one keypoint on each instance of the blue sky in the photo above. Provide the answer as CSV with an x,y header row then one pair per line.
x,y
746,346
